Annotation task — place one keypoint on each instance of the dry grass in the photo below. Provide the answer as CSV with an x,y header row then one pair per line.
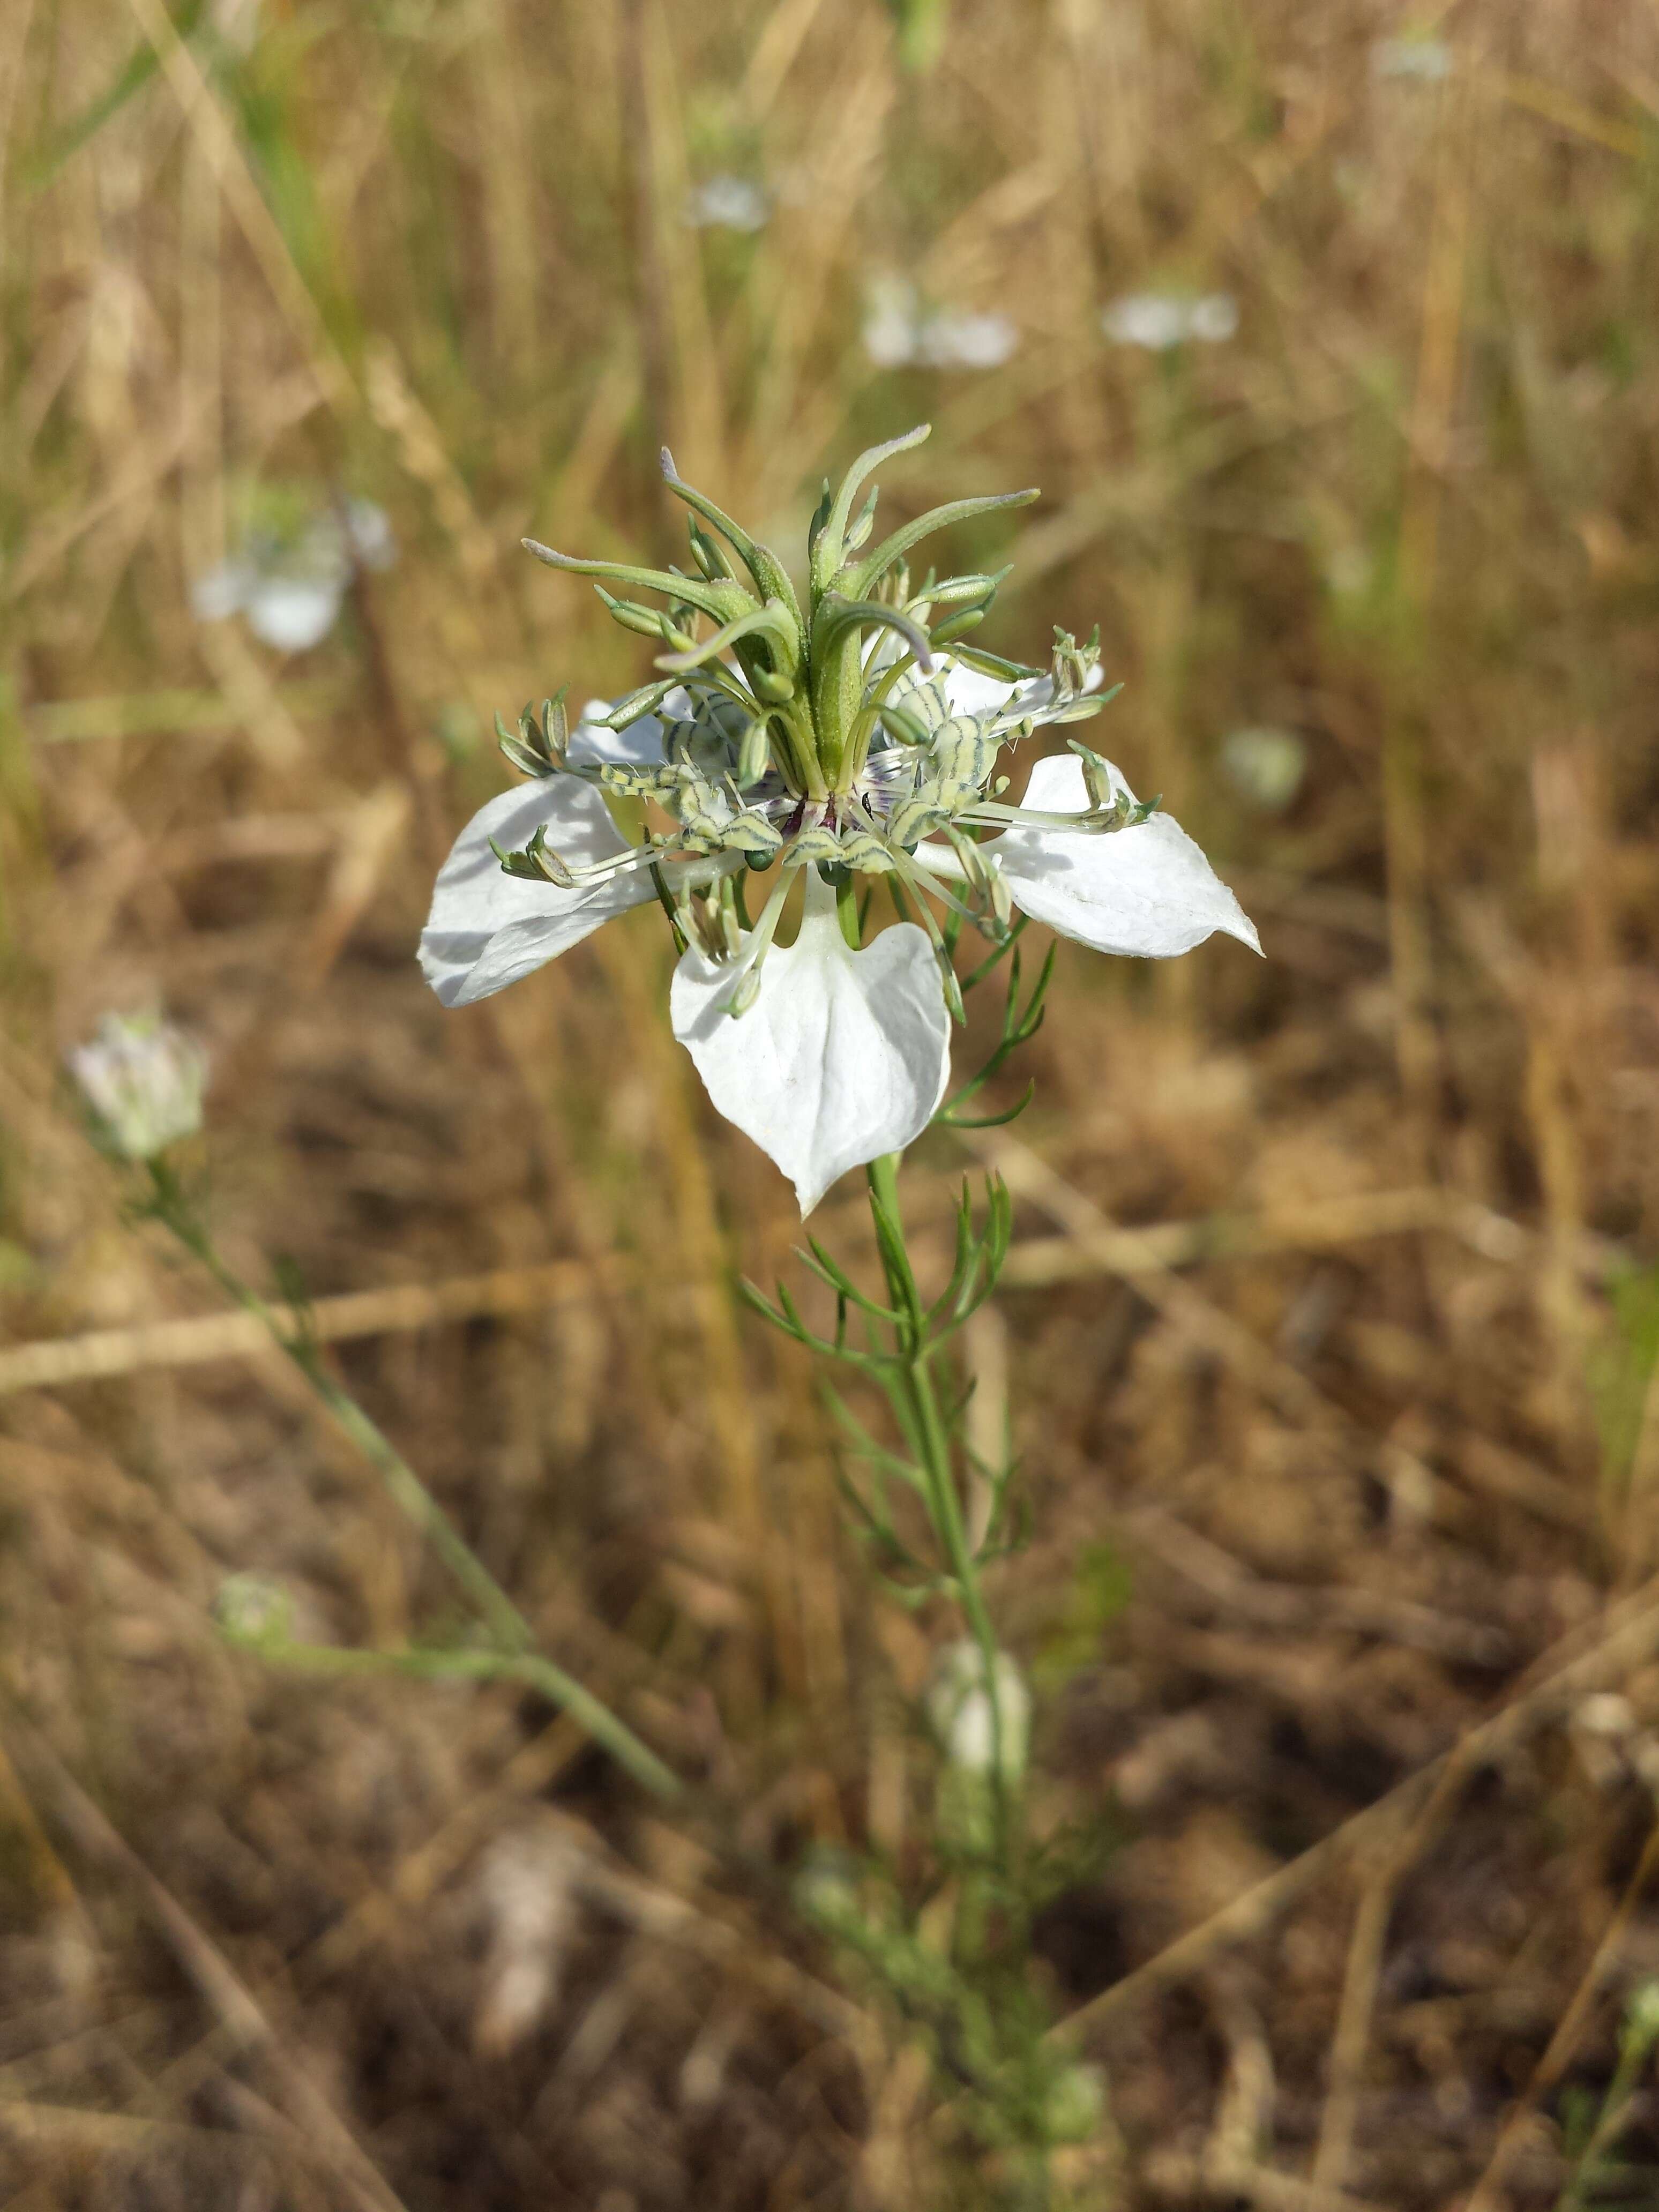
x,y
1311,1311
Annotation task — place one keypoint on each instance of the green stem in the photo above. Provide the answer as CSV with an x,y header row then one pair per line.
x,y
529,1667
505,1623
932,1437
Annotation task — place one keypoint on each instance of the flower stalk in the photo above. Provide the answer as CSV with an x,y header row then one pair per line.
x,y
913,1379
510,1654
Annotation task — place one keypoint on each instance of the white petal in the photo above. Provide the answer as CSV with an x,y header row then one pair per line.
x,y
952,339
370,534
890,323
293,613
639,744
843,1057
1148,890
487,928
971,692
221,591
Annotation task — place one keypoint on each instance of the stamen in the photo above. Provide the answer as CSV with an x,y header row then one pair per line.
x,y
991,815
919,879
745,985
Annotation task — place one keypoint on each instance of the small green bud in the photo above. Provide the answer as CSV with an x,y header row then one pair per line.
x,y
820,515
860,533
827,1892
754,755
959,625
255,1610
1642,2015
644,621
709,555
1075,2105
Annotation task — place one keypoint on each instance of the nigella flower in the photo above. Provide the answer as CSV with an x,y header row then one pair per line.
x,y
858,737
1429,61
900,331
726,203
967,1717
144,1080
1159,320
1267,766
289,583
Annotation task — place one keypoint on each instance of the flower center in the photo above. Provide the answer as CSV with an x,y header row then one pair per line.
x,y
854,733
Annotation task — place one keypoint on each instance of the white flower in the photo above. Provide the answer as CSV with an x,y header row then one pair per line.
x,y
727,203
840,1055
964,1713
899,333
291,590
850,745
144,1080
1429,61
1158,320
954,338
1266,766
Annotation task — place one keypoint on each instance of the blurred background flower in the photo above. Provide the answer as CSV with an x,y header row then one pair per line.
x,y
290,583
1423,60
900,331
1158,320
1266,766
143,1080
728,203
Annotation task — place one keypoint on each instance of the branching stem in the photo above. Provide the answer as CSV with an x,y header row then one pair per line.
x,y
509,1631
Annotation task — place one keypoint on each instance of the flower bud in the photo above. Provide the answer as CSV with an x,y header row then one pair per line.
x,y
1075,2104
1642,2015
827,1891
144,1080
254,1609
965,1717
